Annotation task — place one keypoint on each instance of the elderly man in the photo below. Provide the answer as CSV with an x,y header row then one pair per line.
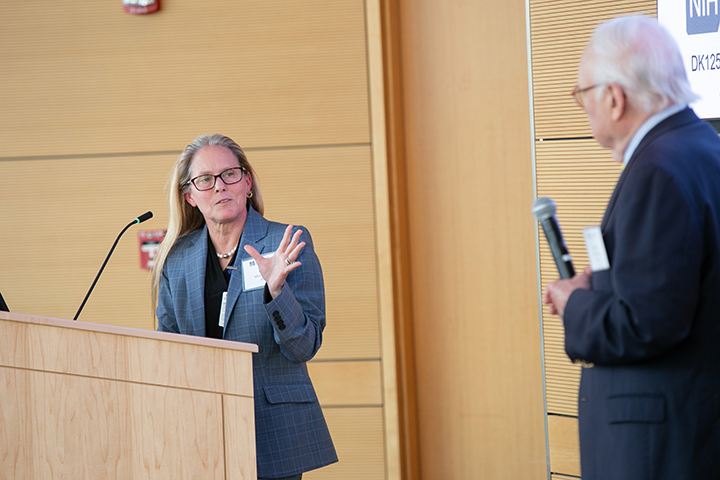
x,y
647,328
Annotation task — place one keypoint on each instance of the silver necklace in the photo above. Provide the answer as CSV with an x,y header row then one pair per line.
x,y
226,255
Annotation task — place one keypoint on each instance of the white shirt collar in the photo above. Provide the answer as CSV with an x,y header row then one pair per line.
x,y
647,126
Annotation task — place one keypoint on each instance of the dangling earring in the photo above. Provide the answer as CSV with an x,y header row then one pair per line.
x,y
250,194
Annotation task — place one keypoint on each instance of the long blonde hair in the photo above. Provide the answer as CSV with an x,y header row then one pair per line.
x,y
184,218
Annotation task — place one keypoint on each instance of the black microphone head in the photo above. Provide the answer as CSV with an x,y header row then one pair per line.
x,y
143,217
543,208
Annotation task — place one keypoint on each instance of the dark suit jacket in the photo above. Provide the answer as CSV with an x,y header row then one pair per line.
x,y
650,406
291,434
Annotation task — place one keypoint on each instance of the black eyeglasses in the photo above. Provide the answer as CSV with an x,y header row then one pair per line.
x,y
578,93
207,182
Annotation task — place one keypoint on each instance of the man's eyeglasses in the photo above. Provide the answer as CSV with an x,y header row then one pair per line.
x,y
207,182
578,93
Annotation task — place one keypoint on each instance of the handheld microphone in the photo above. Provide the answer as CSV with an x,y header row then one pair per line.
x,y
544,211
140,219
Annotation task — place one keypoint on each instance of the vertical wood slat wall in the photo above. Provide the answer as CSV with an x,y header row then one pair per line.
x,y
97,104
577,173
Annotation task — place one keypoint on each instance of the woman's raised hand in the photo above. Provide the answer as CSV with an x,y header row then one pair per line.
x,y
276,268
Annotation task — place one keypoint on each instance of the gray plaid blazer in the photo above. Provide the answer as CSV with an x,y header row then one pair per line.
x,y
291,434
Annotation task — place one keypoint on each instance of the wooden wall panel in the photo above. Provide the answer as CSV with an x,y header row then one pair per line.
x,y
348,383
55,237
294,182
97,104
471,240
87,78
328,190
357,434
564,445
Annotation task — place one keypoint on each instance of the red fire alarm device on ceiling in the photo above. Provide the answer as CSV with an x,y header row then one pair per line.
x,y
141,7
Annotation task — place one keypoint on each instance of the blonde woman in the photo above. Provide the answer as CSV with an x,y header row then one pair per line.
x,y
224,271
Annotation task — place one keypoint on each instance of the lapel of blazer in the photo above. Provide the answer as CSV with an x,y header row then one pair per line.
x,y
196,262
254,231
670,123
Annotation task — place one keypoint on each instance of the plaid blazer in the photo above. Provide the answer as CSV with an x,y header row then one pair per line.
x,y
291,434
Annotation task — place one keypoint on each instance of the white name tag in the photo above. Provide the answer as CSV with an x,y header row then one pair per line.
x,y
221,322
251,273
595,246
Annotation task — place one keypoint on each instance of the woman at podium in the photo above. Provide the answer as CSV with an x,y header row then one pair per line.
x,y
224,271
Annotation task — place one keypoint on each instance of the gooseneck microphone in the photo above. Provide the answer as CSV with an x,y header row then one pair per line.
x,y
544,211
140,219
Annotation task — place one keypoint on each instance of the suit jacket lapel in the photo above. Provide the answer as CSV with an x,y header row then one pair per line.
x,y
196,264
613,198
670,123
255,229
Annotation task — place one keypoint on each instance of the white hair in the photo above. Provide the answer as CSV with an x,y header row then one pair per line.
x,y
640,55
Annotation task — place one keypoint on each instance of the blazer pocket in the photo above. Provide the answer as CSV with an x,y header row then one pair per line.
x,y
638,408
290,393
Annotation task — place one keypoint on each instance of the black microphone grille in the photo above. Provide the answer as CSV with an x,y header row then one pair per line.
x,y
143,217
543,208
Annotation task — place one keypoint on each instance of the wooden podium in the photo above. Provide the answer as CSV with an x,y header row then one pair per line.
x,y
88,401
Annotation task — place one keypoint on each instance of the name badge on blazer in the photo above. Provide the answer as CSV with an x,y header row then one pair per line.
x,y
251,273
223,307
595,246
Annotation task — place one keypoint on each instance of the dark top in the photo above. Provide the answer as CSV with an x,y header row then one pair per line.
x,y
216,283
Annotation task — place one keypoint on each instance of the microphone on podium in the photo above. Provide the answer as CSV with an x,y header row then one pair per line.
x,y
544,211
145,216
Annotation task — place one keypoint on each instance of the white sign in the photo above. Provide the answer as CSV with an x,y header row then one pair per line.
x,y
695,25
